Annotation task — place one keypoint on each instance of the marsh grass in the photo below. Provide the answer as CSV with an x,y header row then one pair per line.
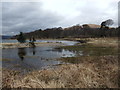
x,y
91,50
90,73
107,41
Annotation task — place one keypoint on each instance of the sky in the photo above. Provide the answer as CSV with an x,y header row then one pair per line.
x,y
26,16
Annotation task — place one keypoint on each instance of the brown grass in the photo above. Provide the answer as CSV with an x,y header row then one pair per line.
x,y
92,72
111,42
22,45
108,41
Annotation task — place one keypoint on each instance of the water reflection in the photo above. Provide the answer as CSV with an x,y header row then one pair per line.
x,y
22,53
42,57
33,50
88,50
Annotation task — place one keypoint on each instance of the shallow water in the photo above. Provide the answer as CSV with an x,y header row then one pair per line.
x,y
25,59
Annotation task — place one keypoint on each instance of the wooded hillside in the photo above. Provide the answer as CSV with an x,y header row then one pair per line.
x,y
77,31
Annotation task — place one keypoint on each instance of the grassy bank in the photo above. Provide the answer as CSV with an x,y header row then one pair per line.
x,y
111,42
22,45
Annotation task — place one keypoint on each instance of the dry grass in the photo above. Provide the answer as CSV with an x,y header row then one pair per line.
x,y
111,42
97,72
40,44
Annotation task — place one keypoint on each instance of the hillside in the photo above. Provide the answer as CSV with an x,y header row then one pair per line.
x,y
86,30
92,25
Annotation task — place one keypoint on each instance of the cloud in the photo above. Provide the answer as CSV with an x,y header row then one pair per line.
x,y
26,17
29,16
119,14
98,11
84,11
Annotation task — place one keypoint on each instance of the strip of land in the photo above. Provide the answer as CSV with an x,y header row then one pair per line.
x,y
37,44
113,42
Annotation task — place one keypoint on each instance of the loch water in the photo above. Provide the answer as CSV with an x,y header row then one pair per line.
x,y
27,59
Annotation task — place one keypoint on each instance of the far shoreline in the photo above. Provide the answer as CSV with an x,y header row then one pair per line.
x,y
106,41
24,45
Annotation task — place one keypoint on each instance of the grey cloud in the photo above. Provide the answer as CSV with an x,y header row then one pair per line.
x,y
91,13
119,13
26,17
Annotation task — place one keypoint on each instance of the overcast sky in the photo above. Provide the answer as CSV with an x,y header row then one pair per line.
x,y
29,16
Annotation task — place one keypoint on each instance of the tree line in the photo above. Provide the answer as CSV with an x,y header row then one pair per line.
x,y
76,31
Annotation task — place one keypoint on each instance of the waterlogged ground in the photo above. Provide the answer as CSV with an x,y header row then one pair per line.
x,y
88,65
32,58
90,50
27,58
37,58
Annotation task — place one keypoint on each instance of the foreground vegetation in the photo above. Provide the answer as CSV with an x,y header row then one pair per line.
x,y
96,70
91,72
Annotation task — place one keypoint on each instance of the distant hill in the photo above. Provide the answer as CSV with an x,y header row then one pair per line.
x,y
76,31
92,25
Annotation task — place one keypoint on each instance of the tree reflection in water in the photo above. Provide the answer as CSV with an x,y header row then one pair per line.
x,y
21,53
33,50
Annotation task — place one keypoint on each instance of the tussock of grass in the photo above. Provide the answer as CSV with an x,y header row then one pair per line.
x,y
90,73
